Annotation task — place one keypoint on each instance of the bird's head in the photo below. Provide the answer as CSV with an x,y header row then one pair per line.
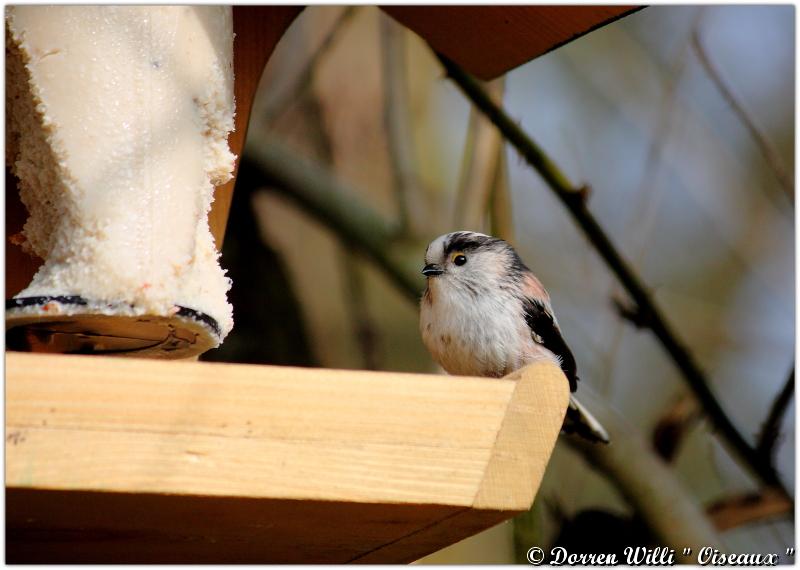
x,y
471,261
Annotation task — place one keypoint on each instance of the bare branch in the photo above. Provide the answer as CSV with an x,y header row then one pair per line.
x,y
749,508
631,313
767,150
575,201
673,426
771,429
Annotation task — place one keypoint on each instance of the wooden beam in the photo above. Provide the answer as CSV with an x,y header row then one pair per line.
x,y
133,460
488,41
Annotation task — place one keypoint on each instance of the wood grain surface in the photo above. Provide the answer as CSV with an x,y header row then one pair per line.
x,y
488,41
111,460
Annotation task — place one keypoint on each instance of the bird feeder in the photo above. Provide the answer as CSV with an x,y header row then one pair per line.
x,y
117,205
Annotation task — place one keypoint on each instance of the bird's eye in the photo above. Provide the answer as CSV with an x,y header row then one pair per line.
x,y
459,259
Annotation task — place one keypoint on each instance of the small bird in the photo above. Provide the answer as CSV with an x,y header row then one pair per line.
x,y
484,313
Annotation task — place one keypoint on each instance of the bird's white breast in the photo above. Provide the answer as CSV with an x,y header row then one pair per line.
x,y
477,335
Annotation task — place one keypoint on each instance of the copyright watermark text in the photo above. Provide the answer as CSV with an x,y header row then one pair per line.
x,y
658,556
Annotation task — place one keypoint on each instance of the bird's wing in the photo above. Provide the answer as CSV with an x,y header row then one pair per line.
x,y
544,328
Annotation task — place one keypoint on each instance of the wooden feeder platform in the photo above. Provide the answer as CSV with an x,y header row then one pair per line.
x,y
112,460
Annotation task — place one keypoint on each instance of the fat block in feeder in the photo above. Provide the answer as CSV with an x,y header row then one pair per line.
x,y
117,128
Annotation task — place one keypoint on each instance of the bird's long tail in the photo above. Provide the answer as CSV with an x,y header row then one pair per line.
x,y
579,421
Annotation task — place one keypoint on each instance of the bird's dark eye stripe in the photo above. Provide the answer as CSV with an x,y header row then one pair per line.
x,y
466,242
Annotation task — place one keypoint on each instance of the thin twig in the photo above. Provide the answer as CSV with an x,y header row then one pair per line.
x,y
575,202
674,425
739,510
630,312
769,433
767,150
643,214
294,92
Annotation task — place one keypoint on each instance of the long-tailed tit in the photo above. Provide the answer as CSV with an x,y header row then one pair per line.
x,y
485,314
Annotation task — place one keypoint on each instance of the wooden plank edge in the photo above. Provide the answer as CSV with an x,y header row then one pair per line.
x,y
526,438
512,465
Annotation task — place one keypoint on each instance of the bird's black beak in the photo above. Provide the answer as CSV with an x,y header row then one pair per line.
x,y
432,270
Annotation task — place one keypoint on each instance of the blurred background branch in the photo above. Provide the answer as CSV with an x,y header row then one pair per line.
x,y
317,191
501,219
771,429
646,482
293,93
365,331
397,118
749,508
483,148
768,151
674,425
